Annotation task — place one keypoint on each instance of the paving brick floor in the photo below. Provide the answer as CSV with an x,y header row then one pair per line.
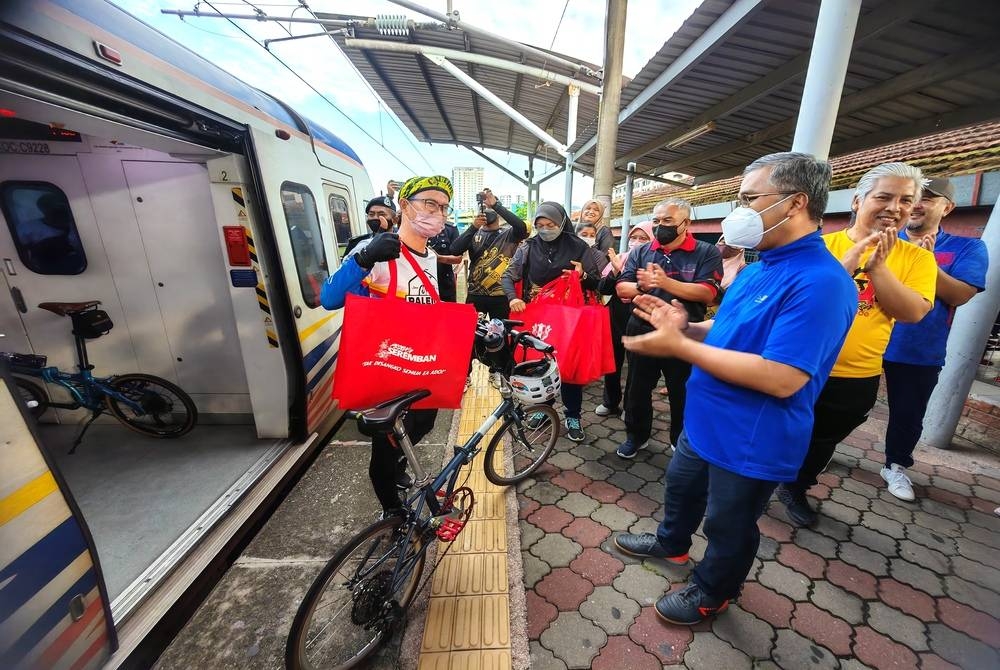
x,y
877,583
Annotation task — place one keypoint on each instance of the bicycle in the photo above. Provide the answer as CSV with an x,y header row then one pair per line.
x,y
144,403
365,589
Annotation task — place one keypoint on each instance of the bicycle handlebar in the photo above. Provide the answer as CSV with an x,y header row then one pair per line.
x,y
492,334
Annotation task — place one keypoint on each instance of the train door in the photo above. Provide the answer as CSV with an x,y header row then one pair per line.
x,y
173,207
51,251
54,611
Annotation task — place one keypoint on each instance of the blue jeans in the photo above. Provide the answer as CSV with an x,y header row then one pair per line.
x,y
730,504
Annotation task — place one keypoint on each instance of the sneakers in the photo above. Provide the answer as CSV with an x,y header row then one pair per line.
x,y
899,484
796,506
391,512
403,480
604,410
535,420
629,448
574,430
689,605
646,544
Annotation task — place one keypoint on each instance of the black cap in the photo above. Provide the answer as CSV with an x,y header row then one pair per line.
x,y
380,201
941,186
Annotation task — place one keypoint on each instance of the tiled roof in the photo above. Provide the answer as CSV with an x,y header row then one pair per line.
x,y
955,152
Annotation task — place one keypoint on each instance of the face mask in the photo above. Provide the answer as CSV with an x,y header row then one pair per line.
x,y
375,225
633,244
591,241
744,227
666,234
549,234
427,225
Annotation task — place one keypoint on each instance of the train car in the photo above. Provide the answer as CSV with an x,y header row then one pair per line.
x,y
203,214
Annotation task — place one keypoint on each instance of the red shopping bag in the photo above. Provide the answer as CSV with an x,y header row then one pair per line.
x,y
593,357
554,324
390,346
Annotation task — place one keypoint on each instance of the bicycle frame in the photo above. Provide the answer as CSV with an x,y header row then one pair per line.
x,y
86,390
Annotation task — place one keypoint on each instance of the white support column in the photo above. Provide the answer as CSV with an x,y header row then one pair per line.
x,y
627,208
831,51
574,104
969,331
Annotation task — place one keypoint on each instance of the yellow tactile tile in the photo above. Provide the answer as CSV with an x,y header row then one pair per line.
x,y
468,619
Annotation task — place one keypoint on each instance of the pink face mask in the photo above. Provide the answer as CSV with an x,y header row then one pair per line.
x,y
427,225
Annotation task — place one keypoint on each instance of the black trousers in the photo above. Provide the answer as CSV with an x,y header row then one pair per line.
x,y
842,406
496,306
388,462
643,376
620,313
909,387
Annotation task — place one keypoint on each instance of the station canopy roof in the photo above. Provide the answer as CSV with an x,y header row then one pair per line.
x,y
723,90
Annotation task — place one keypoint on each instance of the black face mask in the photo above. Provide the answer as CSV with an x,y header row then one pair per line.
x,y
375,225
665,234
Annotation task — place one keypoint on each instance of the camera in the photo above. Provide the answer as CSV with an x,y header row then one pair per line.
x,y
480,200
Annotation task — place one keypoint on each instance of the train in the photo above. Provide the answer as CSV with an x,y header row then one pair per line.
x,y
204,215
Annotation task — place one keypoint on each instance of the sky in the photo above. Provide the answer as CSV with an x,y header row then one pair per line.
x,y
349,108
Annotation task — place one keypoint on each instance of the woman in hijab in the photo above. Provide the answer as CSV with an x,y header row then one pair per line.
x,y
640,234
593,214
553,250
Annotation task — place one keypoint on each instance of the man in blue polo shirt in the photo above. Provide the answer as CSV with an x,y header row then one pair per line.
x,y
758,368
915,355
673,266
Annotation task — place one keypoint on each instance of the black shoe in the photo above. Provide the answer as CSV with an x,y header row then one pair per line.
x,y
647,545
390,512
403,480
689,605
574,430
797,507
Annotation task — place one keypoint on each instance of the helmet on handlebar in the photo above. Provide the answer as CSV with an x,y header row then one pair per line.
x,y
534,382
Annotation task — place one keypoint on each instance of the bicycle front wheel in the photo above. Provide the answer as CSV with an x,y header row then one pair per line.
x,y
352,605
165,410
521,446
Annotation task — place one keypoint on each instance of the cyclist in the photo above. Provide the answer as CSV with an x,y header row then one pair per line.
x,y
424,204
543,257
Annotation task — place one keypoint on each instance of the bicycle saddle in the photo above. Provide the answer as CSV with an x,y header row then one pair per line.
x,y
382,417
67,308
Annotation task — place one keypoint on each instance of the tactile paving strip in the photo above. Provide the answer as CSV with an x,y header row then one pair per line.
x,y
468,618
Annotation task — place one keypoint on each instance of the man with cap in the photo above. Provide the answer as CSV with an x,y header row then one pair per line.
x,y
554,250
424,204
380,213
916,351
895,283
491,246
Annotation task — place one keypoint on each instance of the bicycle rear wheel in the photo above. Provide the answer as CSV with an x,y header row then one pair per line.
x,y
167,411
33,396
519,448
354,602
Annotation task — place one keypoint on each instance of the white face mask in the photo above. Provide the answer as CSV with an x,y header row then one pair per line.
x,y
743,228
591,241
632,244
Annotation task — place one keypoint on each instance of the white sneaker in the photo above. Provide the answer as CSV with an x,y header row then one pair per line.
x,y
603,410
899,484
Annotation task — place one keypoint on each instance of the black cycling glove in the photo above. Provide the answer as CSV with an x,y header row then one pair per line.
x,y
383,247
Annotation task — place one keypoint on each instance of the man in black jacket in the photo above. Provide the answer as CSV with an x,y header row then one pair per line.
x,y
490,246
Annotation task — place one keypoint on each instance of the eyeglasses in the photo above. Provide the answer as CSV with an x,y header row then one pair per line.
x,y
746,199
431,206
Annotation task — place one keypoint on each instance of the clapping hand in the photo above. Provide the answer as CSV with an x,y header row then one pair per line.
x,y
668,319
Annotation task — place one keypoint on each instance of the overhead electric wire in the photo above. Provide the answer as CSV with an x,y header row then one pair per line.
x,y
314,89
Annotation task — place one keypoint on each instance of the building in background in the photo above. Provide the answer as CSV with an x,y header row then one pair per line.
x,y
467,182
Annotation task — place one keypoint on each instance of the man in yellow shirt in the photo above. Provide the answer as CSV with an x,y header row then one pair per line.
x,y
896,282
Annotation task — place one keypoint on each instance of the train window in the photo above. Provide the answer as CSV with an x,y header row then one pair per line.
x,y
41,222
307,240
341,217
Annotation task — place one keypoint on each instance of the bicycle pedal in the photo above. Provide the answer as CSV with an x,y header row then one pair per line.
x,y
449,529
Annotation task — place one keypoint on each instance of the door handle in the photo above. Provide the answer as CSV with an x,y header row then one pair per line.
x,y
15,294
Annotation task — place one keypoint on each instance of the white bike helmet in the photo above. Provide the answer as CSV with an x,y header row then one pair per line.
x,y
535,382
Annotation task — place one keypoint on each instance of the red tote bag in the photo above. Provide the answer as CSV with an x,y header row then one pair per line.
x,y
390,346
